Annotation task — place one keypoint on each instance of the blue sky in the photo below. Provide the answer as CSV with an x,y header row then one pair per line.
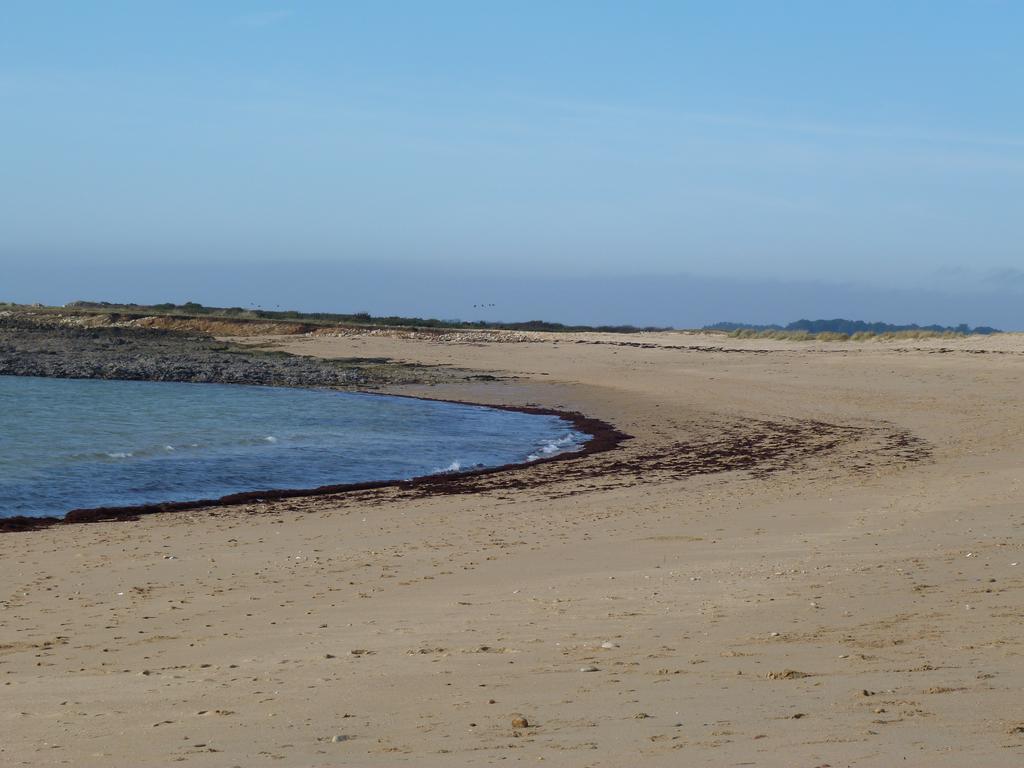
x,y
866,148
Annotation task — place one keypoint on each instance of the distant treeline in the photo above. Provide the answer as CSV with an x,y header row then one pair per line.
x,y
851,328
192,309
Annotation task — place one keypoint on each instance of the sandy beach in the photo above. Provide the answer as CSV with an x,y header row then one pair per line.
x,y
806,555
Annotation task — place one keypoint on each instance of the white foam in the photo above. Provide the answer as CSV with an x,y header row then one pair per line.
x,y
120,454
270,439
553,447
453,467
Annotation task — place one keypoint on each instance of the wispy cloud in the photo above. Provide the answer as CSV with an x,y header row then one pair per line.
x,y
1007,276
783,126
970,279
268,18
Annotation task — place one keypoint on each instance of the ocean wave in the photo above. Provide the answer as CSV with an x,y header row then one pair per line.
x,y
453,467
210,444
568,442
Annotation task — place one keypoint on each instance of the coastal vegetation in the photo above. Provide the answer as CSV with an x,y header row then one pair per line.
x,y
800,330
846,330
358,319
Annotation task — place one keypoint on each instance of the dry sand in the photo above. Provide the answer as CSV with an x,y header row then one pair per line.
x,y
852,597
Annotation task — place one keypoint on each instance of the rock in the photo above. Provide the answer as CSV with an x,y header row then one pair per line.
x,y
589,668
339,738
609,644
518,721
42,348
787,674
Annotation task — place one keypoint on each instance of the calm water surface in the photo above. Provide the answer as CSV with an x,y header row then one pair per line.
x,y
72,443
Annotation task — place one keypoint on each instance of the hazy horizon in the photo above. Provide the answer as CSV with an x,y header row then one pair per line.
x,y
657,163
680,301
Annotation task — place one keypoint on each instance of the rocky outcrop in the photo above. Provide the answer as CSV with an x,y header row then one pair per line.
x,y
29,348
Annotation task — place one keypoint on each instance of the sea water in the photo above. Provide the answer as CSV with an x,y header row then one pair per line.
x,y
78,443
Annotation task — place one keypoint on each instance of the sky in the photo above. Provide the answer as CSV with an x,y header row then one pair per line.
x,y
667,163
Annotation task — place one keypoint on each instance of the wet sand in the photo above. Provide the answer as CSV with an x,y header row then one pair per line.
x,y
807,554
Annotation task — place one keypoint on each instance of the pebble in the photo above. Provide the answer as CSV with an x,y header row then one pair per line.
x,y
518,721
338,739
159,357
787,674
589,669
609,644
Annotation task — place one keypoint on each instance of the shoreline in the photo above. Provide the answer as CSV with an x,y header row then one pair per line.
x,y
603,437
797,558
112,352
